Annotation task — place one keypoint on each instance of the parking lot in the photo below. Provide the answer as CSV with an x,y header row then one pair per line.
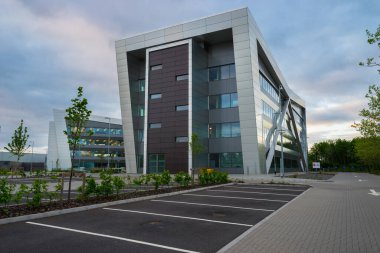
x,y
201,221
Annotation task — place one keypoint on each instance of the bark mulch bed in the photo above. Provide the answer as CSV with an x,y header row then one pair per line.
x,y
24,209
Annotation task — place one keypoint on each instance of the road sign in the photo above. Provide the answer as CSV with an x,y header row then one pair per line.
x,y
316,165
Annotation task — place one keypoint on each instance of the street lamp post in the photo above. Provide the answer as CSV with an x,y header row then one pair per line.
x,y
282,170
108,143
31,161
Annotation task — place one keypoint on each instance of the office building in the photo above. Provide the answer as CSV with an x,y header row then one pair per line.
x,y
214,77
103,149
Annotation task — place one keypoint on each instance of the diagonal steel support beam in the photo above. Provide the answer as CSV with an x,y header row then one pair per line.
x,y
294,127
272,147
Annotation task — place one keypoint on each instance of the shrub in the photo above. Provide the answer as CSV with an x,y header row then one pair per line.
x,y
146,178
138,180
20,193
165,177
39,189
90,188
105,188
6,190
182,178
118,184
157,180
210,176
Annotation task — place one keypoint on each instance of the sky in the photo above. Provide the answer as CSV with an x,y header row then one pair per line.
x,y
49,48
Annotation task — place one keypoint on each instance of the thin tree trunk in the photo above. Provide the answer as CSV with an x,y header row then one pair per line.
x,y
71,174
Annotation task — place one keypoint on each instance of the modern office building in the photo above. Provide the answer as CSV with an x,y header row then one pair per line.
x,y
214,77
29,161
105,148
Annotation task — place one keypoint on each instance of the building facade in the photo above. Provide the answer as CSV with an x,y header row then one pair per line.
x,y
105,148
213,77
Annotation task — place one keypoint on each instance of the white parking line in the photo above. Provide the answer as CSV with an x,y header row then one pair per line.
x,y
265,193
231,197
112,237
180,217
201,204
264,188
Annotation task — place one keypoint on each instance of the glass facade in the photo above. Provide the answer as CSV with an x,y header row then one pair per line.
x,y
268,110
222,72
156,163
103,153
97,130
222,130
101,142
226,160
140,86
269,88
223,101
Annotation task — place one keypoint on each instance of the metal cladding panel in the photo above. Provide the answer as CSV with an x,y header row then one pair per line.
x,y
174,61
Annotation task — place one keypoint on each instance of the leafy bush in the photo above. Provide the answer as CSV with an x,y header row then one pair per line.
x,y
182,178
39,189
105,188
210,176
165,177
20,193
118,184
157,180
90,187
6,190
138,181
146,178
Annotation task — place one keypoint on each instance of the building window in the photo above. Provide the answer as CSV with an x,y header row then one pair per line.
x,y
223,101
182,77
140,87
155,96
156,67
155,125
140,135
222,72
226,160
268,110
140,110
181,139
224,130
268,88
156,163
182,108
140,161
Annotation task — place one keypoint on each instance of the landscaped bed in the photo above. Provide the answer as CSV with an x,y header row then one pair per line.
x,y
110,188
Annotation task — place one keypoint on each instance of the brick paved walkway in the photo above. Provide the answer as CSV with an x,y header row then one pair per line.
x,y
337,216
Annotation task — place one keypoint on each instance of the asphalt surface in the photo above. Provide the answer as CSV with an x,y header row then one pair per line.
x,y
201,221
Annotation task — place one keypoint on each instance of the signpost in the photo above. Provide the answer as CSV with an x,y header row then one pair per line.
x,y
316,165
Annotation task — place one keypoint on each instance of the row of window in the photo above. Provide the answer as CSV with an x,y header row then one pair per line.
x,y
101,142
268,110
140,111
223,130
223,101
112,131
221,72
268,87
98,153
156,162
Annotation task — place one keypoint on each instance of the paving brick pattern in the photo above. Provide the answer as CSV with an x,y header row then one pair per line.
x,y
337,216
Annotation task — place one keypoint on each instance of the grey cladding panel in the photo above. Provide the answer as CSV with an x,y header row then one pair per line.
x,y
224,115
222,145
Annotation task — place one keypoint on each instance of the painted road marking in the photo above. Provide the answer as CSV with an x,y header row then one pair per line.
x,y
180,217
362,180
374,193
265,193
202,204
112,237
231,197
257,188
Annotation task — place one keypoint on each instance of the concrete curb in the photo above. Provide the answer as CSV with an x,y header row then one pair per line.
x,y
100,205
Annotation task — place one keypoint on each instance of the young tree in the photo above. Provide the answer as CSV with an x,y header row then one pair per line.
x,y
18,145
370,125
76,118
196,148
